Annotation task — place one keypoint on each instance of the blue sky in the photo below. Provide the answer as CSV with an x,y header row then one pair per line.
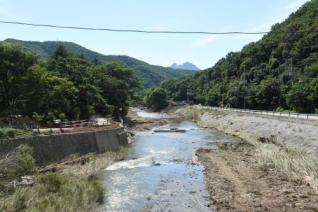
x,y
183,15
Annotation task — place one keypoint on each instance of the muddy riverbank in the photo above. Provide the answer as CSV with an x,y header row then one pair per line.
x,y
264,172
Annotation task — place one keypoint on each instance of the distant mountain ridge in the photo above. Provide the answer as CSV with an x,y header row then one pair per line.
x,y
152,75
185,66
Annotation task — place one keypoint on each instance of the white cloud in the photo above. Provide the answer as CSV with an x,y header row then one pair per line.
x,y
204,41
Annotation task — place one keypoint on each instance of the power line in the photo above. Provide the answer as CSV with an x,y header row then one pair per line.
x,y
130,30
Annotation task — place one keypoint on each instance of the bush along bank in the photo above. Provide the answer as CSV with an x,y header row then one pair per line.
x,y
70,186
10,133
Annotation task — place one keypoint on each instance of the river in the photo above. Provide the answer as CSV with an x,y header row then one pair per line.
x,y
161,172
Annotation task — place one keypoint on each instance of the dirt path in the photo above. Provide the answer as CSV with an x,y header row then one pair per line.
x,y
236,182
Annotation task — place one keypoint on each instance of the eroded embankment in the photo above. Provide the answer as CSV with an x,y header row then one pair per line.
x,y
271,170
293,133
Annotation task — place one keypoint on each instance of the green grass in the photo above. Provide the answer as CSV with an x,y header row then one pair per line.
x,y
96,163
10,133
17,164
74,187
56,192
293,164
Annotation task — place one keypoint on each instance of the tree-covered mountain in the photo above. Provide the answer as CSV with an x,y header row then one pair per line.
x,y
185,66
278,72
64,86
150,74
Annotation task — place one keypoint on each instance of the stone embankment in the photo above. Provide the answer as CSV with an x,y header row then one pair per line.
x,y
54,148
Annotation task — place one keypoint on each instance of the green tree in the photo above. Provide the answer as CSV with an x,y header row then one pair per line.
x,y
118,85
60,52
300,97
52,94
156,99
267,94
65,86
13,65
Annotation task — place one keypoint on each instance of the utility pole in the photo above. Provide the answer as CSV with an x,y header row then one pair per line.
x,y
280,89
187,95
291,67
244,92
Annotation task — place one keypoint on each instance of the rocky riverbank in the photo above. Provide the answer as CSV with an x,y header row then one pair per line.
x,y
273,168
292,133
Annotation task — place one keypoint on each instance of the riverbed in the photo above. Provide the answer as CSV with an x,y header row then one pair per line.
x,y
161,172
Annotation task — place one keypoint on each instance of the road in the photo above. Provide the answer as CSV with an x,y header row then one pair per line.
x,y
269,113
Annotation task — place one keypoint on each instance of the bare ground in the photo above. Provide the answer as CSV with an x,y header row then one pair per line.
x,y
237,182
274,169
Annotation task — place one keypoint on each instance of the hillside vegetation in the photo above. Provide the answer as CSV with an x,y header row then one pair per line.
x,y
279,72
151,75
65,86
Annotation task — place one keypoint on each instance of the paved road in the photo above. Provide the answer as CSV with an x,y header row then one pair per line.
x,y
269,113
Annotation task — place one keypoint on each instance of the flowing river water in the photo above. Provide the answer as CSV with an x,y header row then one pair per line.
x,y
162,172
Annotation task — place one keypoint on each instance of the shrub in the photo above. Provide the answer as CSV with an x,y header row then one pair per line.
x,y
25,161
6,133
52,182
2,134
98,189
156,99
20,202
280,109
11,133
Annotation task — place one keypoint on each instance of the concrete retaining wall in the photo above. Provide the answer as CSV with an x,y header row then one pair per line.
x,y
56,147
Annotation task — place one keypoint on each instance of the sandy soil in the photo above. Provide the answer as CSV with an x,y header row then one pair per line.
x,y
237,183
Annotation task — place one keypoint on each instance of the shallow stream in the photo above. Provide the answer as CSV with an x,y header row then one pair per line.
x,y
162,172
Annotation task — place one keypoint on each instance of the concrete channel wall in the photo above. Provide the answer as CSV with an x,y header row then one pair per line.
x,y
54,148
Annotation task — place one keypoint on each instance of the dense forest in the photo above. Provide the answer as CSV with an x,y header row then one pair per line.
x,y
64,86
151,75
279,72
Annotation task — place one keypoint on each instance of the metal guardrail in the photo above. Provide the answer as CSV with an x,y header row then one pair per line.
x,y
269,113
